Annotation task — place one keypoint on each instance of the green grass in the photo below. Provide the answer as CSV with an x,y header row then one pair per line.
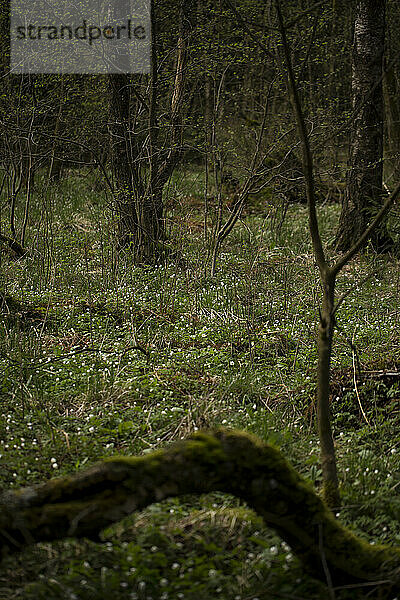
x,y
237,350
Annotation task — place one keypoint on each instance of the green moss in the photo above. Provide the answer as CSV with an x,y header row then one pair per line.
x,y
225,461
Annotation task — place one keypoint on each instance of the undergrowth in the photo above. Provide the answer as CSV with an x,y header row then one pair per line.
x,y
99,357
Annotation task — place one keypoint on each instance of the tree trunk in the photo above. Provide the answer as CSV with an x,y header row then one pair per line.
x,y
325,340
121,153
363,195
139,210
138,195
139,206
392,111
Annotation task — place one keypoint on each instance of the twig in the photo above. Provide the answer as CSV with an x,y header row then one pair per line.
x,y
307,158
367,233
379,374
303,14
349,291
361,585
325,564
355,379
81,351
248,30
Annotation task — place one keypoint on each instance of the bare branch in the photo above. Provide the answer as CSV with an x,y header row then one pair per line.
x,y
346,258
307,161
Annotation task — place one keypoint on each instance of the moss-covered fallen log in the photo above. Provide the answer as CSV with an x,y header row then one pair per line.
x,y
226,461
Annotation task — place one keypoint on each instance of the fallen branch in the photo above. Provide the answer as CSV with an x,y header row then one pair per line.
x,y
14,245
382,374
232,462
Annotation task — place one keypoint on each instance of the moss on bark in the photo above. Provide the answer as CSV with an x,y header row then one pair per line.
x,y
225,461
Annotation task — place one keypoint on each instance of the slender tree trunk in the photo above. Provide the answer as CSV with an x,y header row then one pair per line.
x,y
325,340
121,152
56,164
363,196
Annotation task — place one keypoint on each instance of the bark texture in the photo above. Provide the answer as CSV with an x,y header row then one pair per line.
x,y
392,111
144,157
226,461
139,213
325,341
363,196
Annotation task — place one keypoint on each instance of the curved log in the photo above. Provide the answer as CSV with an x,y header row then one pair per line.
x,y
225,461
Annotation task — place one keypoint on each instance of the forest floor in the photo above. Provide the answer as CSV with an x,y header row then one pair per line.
x,y
98,358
